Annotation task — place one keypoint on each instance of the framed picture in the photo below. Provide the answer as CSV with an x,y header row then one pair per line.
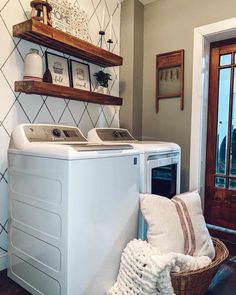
x,y
80,75
170,76
59,68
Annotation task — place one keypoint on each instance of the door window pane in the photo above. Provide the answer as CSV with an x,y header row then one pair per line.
x,y
225,59
232,184
233,132
220,182
222,124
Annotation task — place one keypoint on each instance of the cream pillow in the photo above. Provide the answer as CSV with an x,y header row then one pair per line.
x,y
177,224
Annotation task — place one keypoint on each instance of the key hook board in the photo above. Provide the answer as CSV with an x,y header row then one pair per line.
x,y
170,76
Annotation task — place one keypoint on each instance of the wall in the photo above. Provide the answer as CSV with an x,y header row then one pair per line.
x,y
168,26
131,73
20,108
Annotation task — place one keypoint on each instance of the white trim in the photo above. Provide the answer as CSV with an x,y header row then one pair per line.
x,y
203,36
3,262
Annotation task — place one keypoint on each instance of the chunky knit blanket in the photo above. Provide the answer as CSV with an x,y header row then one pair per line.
x,y
144,271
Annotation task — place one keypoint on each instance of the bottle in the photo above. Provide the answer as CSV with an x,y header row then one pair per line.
x,y
33,69
47,77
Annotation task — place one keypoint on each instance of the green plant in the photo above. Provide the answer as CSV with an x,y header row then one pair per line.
x,y
102,78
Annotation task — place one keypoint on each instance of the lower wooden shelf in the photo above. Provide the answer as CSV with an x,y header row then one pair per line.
x,y
35,87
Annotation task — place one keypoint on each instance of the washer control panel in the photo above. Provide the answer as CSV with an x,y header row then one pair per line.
x,y
50,133
112,134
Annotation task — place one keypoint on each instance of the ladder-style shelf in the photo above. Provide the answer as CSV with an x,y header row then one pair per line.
x,y
42,88
37,32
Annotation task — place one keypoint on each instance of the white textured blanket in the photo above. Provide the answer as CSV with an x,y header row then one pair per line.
x,y
144,271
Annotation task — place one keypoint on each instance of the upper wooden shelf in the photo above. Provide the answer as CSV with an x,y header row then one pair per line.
x,y
37,32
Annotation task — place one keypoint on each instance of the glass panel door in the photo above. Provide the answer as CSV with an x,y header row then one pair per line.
x,y
220,188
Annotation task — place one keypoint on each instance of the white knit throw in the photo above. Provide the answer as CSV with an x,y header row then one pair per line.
x,y
144,271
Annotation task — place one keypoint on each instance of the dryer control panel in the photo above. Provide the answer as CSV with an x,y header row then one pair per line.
x,y
114,134
50,133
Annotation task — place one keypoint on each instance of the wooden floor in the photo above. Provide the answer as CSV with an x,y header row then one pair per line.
x,y
8,287
224,282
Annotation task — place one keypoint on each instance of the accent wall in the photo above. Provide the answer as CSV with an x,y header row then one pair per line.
x,y
16,108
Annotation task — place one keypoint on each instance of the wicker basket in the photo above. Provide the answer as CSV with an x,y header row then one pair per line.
x,y
197,282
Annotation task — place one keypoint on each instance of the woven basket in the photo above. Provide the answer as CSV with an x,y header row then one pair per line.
x,y
197,282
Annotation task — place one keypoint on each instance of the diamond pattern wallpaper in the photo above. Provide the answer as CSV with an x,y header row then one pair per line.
x,y
16,108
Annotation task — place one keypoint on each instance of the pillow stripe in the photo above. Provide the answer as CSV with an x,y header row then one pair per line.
x,y
183,226
189,225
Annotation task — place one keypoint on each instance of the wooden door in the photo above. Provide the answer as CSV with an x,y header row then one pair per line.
x,y
220,189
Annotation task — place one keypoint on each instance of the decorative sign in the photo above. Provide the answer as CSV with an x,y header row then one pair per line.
x,y
170,76
69,18
61,15
80,23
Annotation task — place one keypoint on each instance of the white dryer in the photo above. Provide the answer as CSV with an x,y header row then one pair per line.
x,y
73,207
159,163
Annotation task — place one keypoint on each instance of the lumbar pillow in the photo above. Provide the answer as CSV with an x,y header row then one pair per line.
x,y
177,224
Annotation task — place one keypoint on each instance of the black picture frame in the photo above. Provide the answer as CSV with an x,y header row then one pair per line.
x,y
55,63
82,74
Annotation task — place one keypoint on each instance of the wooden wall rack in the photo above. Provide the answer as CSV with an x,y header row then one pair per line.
x,y
36,32
42,88
39,33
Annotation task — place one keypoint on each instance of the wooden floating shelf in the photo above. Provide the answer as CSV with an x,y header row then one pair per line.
x,y
36,32
42,88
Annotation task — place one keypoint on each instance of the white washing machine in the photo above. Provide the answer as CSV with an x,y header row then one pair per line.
x,y
73,207
160,163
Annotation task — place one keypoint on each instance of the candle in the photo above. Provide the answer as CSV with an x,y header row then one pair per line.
x,y
103,19
110,32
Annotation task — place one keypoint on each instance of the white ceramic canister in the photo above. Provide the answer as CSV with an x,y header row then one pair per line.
x,y
33,66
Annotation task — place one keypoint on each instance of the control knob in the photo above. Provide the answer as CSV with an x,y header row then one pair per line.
x,y
56,132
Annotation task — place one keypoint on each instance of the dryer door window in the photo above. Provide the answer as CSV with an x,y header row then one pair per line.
x,y
164,180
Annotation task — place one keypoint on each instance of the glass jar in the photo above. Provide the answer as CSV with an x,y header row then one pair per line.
x,y
33,69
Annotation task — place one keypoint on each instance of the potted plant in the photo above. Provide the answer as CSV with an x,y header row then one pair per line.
x,y
102,79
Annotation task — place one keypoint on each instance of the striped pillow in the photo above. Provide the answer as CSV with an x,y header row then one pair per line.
x,y
177,224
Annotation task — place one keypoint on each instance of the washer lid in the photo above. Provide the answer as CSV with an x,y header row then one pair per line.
x,y
99,147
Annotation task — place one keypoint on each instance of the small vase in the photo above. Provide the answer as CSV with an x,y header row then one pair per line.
x,y
103,90
33,66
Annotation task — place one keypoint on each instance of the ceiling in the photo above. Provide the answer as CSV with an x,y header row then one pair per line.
x,y
145,2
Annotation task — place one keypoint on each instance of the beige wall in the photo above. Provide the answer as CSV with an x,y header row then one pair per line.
x,y
131,73
168,26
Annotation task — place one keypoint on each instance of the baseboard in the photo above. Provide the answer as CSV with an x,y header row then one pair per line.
x,y
3,261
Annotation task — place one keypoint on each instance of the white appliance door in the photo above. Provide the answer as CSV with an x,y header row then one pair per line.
x,y
103,218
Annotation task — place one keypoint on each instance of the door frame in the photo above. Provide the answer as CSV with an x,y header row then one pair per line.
x,y
203,36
